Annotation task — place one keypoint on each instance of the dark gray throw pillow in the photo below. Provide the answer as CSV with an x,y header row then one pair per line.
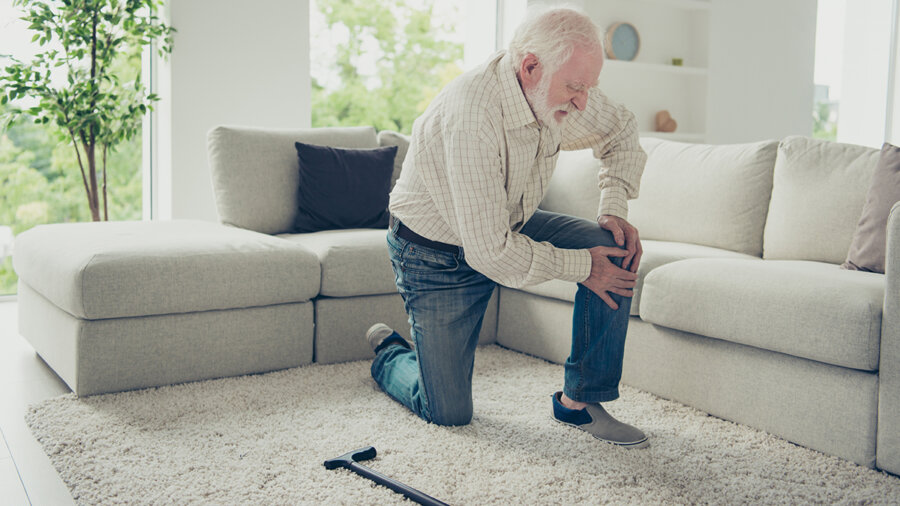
x,y
343,188
867,250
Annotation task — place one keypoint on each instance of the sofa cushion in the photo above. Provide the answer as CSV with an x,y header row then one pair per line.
x,y
704,194
122,269
573,188
656,253
343,188
659,253
806,309
728,188
817,198
255,172
868,247
354,262
389,138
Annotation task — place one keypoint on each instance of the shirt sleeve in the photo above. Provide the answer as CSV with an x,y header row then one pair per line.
x,y
476,207
610,130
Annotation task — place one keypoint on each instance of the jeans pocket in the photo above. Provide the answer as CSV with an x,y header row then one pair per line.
x,y
422,260
395,246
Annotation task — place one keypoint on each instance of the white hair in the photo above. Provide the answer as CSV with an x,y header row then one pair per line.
x,y
551,34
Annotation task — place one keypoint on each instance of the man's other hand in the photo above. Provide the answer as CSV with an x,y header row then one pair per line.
x,y
626,236
606,277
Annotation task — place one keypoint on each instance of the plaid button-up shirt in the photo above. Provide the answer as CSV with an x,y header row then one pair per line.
x,y
479,163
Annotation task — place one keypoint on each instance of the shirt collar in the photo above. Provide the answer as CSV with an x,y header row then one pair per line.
x,y
516,111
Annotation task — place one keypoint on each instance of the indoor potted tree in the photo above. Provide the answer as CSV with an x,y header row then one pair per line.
x,y
92,107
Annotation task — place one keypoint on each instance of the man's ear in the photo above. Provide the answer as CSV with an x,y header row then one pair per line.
x,y
531,70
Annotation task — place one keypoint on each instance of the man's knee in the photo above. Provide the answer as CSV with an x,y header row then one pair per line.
x,y
601,237
617,261
450,414
452,419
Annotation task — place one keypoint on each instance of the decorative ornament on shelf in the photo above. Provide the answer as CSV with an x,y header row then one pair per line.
x,y
665,122
622,42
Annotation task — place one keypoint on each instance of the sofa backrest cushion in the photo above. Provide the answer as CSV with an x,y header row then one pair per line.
x,y
817,197
574,189
711,195
389,138
255,172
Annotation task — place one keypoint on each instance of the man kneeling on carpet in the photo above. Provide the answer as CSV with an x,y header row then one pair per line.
x,y
465,217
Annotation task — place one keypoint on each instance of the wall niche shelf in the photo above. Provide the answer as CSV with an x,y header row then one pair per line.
x,y
701,5
656,67
676,136
648,84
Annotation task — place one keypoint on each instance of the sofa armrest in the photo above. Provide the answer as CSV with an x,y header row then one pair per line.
x,y
888,444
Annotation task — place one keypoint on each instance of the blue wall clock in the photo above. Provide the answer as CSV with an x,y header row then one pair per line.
x,y
622,42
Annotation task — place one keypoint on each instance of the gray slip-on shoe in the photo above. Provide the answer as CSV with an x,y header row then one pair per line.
x,y
597,422
380,335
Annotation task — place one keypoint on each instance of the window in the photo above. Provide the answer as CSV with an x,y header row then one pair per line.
x,y
39,175
829,58
381,62
853,70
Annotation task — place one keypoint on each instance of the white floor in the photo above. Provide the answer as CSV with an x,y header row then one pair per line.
x,y
26,475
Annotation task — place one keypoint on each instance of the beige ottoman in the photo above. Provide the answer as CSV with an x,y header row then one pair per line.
x,y
122,305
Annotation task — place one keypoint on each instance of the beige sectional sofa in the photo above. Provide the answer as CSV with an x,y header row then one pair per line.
x,y
741,308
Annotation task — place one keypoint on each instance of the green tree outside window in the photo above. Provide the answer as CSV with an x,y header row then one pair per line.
x,y
97,110
407,49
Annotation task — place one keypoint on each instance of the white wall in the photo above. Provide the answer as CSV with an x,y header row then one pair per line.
x,y
893,135
234,62
867,51
761,61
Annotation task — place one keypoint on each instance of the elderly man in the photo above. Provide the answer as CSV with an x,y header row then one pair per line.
x,y
465,217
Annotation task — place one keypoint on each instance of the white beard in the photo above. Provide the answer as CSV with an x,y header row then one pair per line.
x,y
539,100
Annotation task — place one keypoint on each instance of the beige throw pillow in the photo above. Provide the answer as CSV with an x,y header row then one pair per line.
x,y
867,249
818,192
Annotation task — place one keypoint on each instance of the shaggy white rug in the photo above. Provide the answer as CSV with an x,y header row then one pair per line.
x,y
262,440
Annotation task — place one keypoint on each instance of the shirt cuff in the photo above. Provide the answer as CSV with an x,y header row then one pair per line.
x,y
576,265
614,201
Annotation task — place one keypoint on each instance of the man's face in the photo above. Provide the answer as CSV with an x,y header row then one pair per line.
x,y
556,95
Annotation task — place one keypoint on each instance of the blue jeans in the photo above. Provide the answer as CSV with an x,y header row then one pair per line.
x,y
446,299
